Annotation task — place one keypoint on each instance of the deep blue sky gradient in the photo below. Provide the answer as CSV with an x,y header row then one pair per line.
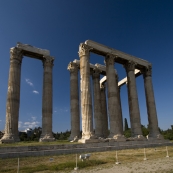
x,y
141,28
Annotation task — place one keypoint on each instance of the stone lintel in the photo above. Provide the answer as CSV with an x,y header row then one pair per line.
x,y
123,81
121,57
32,51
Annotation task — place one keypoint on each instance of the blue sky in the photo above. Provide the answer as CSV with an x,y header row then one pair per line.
x,y
141,28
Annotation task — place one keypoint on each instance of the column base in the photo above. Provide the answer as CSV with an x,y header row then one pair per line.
x,y
46,138
155,137
88,141
73,138
137,138
9,139
119,138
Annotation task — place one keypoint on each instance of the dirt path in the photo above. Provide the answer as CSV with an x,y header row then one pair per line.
x,y
158,166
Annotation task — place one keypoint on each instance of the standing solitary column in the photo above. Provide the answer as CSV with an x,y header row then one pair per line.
x,y
113,100
13,97
97,103
151,107
104,111
133,101
47,100
86,102
74,102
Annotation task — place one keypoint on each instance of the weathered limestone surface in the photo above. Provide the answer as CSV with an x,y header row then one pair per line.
x,y
97,100
104,111
133,101
86,100
151,107
121,115
13,97
32,49
47,100
113,100
74,102
121,56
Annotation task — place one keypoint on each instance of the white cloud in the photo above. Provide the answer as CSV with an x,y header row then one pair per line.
x,y
31,124
29,82
20,124
34,118
35,92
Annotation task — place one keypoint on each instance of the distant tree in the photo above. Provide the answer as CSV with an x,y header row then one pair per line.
x,y
126,127
145,131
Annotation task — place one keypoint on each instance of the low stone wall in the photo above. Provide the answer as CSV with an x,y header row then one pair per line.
x,y
26,151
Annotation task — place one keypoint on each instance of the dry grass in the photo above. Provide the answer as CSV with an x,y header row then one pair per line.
x,y
67,162
33,143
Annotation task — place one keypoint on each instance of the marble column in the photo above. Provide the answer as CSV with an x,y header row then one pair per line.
x,y
104,111
151,107
86,97
13,97
135,120
74,102
47,100
121,115
97,103
113,100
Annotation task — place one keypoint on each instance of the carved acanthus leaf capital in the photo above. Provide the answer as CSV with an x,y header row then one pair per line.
x,y
16,54
48,61
84,50
130,66
96,73
110,59
73,67
148,71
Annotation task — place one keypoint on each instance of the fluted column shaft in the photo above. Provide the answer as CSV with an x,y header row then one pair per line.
x,y
133,100
74,101
13,97
121,115
113,100
151,107
86,98
47,100
97,102
104,111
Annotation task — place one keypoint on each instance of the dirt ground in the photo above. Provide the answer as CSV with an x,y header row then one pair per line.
x,y
164,165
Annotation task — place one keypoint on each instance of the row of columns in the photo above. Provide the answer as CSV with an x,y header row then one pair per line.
x,y
13,98
114,103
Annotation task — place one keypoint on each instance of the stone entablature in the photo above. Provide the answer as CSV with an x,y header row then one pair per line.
x,y
134,67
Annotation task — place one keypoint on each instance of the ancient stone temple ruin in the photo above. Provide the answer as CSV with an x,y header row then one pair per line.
x,y
13,96
134,67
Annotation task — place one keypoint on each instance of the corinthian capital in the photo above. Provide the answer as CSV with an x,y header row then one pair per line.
x,y
72,67
130,66
96,73
84,50
147,71
109,59
48,61
16,54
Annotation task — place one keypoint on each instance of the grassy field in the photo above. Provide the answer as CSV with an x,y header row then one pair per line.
x,y
33,143
66,163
